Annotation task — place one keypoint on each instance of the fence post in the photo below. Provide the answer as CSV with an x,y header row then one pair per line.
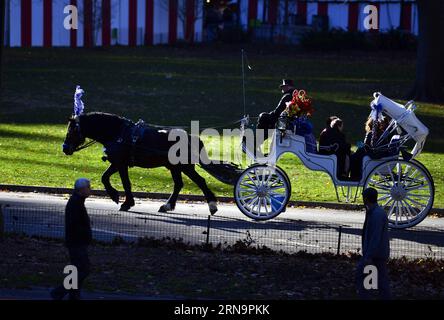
x,y
208,230
339,240
2,224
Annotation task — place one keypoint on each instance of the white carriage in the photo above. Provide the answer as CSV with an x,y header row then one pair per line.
x,y
405,187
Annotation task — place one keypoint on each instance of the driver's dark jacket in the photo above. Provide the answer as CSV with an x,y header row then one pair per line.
x,y
267,120
77,224
287,97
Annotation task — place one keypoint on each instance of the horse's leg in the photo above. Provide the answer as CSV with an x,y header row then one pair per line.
x,y
176,173
129,199
113,193
191,172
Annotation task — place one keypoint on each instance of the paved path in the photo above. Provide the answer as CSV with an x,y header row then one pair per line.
x,y
313,230
38,293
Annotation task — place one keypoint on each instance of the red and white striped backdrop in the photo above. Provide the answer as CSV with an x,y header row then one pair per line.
x,y
138,22
348,15
124,22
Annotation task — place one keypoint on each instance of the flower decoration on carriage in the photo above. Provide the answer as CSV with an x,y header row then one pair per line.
x,y
300,105
78,103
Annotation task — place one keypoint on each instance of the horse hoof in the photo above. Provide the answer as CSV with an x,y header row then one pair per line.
x,y
115,197
165,208
125,207
213,207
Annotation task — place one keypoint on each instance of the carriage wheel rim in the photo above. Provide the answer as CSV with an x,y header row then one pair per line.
x,y
405,191
259,188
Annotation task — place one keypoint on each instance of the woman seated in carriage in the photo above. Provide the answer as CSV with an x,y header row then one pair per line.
x,y
295,118
377,144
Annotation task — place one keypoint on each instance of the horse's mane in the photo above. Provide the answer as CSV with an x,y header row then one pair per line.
x,y
107,115
102,126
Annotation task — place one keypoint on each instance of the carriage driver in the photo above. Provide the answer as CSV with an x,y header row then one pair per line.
x,y
267,120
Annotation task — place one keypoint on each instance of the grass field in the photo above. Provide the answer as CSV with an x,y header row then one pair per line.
x,y
172,86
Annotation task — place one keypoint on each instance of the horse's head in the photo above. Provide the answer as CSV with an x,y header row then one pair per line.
x,y
74,138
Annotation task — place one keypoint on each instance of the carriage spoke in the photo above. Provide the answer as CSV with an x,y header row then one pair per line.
x,y
397,214
391,174
248,186
252,180
280,202
415,202
276,194
385,197
383,179
407,207
277,187
379,185
245,192
251,196
387,202
250,203
391,209
410,208
422,186
259,204
255,205
399,168
419,195
265,204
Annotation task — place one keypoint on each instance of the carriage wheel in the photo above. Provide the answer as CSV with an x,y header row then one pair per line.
x,y
262,192
405,191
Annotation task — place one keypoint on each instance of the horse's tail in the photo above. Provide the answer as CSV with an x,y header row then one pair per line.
x,y
223,171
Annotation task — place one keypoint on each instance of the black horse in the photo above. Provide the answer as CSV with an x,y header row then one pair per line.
x,y
129,144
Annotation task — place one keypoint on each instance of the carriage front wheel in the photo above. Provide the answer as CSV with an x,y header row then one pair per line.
x,y
262,192
405,191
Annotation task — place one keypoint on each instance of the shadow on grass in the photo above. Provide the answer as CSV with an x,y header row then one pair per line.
x,y
30,136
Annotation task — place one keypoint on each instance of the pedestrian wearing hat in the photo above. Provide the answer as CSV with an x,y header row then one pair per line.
x,y
267,120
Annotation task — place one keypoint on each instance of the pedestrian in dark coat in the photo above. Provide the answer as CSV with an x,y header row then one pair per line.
x,y
375,246
78,237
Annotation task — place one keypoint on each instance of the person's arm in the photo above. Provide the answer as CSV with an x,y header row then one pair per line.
x,y
376,228
281,106
69,223
368,139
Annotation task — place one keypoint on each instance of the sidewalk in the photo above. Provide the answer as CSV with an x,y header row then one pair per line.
x,y
39,293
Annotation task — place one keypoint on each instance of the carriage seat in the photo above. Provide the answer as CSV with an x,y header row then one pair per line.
x,y
296,144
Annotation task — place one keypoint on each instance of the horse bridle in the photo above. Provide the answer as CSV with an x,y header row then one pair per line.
x,y
85,145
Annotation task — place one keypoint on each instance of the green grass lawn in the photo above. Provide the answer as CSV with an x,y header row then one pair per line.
x,y
172,86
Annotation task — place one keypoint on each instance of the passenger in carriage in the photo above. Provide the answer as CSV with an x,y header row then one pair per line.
x,y
372,136
333,141
324,136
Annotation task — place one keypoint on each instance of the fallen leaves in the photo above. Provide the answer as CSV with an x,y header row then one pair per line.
x,y
173,268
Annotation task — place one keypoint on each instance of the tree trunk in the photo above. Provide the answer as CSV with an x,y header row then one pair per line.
x,y
429,85
286,12
2,37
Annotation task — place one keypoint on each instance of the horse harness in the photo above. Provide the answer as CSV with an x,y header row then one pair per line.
x,y
130,135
